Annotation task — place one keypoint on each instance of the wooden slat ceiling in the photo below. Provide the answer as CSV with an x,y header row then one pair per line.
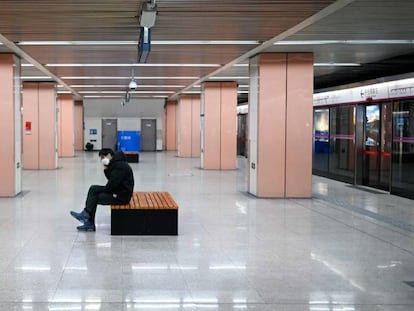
x,y
199,20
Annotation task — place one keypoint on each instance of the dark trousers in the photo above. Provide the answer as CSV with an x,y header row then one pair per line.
x,y
96,195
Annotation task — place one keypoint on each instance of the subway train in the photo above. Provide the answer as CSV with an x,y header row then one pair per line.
x,y
363,136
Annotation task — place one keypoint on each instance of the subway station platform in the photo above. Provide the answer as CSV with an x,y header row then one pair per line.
x,y
346,249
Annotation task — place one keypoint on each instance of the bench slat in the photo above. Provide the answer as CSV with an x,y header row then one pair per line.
x,y
170,200
148,197
142,200
149,200
157,201
162,199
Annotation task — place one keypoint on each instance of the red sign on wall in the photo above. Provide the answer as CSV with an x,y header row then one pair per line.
x,y
28,127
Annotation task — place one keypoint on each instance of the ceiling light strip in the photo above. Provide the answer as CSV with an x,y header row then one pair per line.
x,y
133,65
350,42
122,92
136,78
160,42
35,78
336,64
118,96
123,86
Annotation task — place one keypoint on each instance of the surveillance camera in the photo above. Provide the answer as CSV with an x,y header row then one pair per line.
x,y
127,97
132,85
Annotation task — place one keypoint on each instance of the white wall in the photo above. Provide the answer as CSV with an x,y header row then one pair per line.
x,y
159,125
111,108
129,124
128,116
95,124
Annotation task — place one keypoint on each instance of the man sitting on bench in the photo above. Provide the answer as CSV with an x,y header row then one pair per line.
x,y
118,189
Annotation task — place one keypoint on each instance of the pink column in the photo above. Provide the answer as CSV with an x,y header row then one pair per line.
x,y
299,120
39,126
220,124
66,126
79,126
10,126
195,127
171,125
188,126
280,125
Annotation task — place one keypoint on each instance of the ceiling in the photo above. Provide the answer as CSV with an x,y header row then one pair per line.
x,y
90,47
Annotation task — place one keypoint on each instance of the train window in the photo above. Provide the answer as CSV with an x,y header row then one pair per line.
x,y
403,149
342,142
321,140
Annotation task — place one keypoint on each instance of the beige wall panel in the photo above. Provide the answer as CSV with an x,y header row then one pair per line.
x,y
271,126
79,145
171,126
39,141
66,126
195,127
228,121
212,127
7,160
184,128
299,125
47,126
30,150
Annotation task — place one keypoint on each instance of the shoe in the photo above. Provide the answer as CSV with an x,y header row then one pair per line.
x,y
82,217
87,226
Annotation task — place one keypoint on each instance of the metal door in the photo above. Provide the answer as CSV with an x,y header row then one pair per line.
x,y
148,135
109,131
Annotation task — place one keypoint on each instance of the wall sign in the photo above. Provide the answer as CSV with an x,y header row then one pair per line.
x,y
28,127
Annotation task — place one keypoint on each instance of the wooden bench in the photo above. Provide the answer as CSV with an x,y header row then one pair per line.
x,y
132,156
148,213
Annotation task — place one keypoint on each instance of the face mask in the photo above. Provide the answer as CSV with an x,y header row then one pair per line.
x,y
105,161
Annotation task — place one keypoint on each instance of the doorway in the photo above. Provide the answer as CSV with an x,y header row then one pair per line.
x,y
109,133
376,146
148,134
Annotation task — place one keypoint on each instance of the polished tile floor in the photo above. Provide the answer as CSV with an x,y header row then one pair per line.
x,y
346,249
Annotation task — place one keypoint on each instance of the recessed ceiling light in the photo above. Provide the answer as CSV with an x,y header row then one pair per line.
x,y
321,42
336,64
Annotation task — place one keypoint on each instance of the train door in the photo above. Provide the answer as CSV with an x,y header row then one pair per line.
x,y
241,134
375,156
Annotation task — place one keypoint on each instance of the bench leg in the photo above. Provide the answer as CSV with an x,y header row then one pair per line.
x,y
144,222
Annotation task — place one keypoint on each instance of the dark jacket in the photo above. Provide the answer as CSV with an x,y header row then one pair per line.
x,y
120,178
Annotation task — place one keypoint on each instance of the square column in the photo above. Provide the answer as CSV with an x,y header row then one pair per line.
x,y
219,126
280,125
171,125
39,126
79,145
10,126
188,129
66,126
